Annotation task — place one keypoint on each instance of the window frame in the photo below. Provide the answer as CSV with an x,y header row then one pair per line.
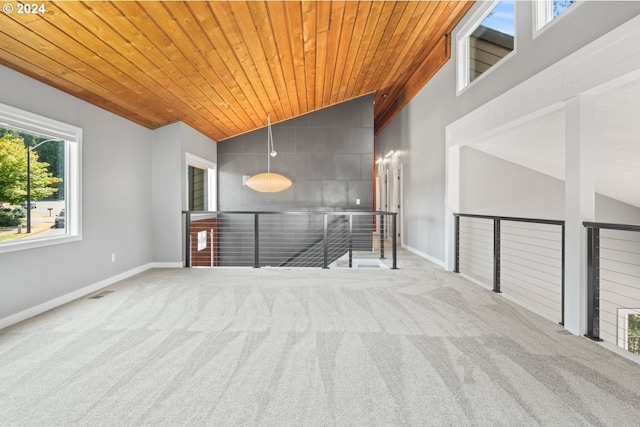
x,y
463,54
542,14
623,325
15,118
210,180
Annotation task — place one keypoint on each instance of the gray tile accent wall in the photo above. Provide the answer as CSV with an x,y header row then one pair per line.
x,y
327,154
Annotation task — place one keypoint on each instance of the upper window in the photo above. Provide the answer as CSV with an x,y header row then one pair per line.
x,y
548,10
485,41
39,180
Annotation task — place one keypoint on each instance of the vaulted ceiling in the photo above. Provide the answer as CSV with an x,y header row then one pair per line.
x,y
222,66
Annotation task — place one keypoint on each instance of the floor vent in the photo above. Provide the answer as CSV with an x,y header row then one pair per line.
x,y
564,332
100,295
368,266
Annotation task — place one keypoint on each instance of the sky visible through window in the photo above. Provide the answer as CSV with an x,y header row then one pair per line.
x,y
501,18
560,6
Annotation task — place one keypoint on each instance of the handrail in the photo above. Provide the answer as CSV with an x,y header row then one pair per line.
x,y
497,241
256,231
611,226
593,272
515,219
292,212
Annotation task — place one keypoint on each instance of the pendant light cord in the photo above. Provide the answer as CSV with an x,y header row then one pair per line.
x,y
270,148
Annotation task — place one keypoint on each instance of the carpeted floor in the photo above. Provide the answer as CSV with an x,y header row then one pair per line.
x,y
418,346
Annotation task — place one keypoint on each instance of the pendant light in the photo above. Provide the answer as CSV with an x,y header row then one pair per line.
x,y
268,182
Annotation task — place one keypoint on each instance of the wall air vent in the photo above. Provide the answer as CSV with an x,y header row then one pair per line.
x,y
100,295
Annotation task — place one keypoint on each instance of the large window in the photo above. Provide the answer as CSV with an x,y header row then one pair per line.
x,y
485,40
39,180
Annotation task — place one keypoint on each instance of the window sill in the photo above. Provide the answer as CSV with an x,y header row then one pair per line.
x,y
37,243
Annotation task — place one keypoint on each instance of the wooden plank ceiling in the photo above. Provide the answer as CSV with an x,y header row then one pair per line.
x,y
222,66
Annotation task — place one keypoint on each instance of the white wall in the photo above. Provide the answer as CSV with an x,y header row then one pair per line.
x,y
418,132
417,136
169,186
494,186
166,184
614,211
133,184
195,143
116,202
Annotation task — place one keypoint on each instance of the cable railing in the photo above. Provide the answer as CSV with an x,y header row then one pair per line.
x,y
313,254
346,239
522,258
613,284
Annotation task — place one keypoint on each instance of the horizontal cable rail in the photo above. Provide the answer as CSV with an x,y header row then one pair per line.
x,y
288,239
523,258
476,248
613,284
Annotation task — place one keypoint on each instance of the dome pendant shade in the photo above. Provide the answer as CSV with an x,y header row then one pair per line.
x,y
268,182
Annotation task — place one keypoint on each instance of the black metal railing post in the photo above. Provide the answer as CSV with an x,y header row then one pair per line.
x,y
456,230
496,255
562,278
325,249
394,243
350,241
382,236
593,283
256,240
187,254
497,248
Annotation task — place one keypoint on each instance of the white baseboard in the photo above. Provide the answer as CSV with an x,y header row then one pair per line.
x,y
167,265
477,282
619,351
56,302
425,256
515,300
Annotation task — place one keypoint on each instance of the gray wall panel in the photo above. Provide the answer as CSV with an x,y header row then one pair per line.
x,y
327,154
334,193
347,166
362,190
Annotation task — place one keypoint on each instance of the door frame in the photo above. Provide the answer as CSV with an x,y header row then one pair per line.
x,y
210,180
398,200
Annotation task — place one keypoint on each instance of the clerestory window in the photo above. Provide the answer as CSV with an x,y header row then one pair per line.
x,y
486,40
545,11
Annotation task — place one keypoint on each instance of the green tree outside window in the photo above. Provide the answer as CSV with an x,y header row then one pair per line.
x,y
13,172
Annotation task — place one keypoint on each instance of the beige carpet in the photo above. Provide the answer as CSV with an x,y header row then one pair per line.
x,y
417,346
